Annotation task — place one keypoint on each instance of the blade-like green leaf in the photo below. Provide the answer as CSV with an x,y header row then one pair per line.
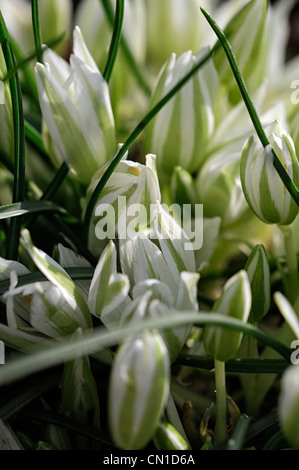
x,y
90,344
26,207
24,279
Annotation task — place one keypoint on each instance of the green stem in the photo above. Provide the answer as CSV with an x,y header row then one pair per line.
x,y
19,141
36,31
221,426
289,184
133,136
135,68
119,14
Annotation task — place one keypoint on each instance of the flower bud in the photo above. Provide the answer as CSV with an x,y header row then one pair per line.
x,y
264,190
288,407
179,133
168,438
138,390
124,206
258,271
76,108
234,302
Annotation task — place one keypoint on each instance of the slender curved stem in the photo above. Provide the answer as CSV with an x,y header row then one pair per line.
x,y
135,68
119,14
36,31
289,184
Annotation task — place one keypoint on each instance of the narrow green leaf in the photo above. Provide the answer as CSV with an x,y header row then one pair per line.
x,y
27,207
119,14
75,273
36,30
135,68
100,338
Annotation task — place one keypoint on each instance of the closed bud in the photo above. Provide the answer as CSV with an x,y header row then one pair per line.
x,y
235,302
138,391
264,190
127,202
179,133
168,438
288,407
258,271
76,108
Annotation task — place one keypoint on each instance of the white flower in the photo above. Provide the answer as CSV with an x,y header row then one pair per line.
x,y
178,135
264,190
76,107
138,390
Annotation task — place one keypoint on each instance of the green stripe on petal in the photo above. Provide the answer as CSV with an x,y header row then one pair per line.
x,y
59,278
258,270
263,189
